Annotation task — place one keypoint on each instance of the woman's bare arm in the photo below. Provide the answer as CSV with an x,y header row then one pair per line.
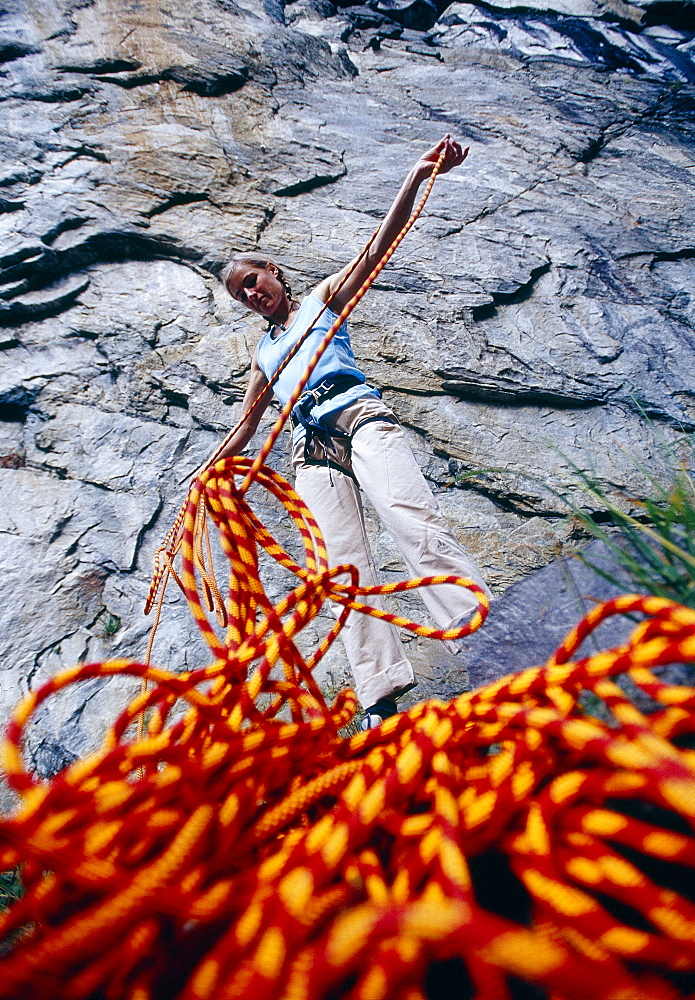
x,y
257,386
396,218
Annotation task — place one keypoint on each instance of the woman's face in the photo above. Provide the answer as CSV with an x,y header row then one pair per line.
x,y
259,289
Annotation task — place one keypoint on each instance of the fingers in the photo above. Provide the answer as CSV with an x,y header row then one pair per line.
x,y
454,153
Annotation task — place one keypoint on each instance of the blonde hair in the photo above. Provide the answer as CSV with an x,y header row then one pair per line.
x,y
255,259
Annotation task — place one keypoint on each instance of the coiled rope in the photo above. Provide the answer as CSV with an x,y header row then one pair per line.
x,y
500,838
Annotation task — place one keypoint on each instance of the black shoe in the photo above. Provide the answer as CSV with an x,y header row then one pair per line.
x,y
384,708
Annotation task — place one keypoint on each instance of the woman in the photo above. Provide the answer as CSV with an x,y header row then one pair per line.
x,y
346,438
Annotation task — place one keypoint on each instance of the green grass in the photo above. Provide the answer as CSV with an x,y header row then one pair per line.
x,y
651,538
109,624
11,888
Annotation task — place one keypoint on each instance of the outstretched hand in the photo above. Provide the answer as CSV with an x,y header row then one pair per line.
x,y
340,287
454,155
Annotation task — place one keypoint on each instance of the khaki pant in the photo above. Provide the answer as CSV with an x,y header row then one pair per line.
x,y
385,467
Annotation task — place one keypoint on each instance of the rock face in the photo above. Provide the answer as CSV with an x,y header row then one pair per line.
x,y
540,315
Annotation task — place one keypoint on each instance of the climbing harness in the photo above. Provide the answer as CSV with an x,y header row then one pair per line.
x,y
311,398
324,445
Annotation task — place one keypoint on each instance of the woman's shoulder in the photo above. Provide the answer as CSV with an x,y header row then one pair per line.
x,y
322,291
311,299
317,304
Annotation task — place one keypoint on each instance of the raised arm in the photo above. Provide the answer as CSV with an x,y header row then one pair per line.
x,y
396,218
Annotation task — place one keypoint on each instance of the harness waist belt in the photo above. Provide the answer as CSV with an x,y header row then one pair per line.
x,y
320,393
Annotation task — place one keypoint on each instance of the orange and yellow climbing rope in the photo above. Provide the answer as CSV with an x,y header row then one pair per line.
x,y
502,845
502,837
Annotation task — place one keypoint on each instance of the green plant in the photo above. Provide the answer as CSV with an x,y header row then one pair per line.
x,y
651,538
463,476
11,887
109,624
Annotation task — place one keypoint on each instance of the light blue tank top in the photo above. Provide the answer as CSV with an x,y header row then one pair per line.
x,y
337,359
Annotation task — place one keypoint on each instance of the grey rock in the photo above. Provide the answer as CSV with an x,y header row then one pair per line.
x,y
528,623
417,14
539,317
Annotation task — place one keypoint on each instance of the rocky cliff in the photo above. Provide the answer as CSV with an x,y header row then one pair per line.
x,y
540,315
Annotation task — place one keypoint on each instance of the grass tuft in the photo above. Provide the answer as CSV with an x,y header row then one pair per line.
x,y
651,538
11,888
